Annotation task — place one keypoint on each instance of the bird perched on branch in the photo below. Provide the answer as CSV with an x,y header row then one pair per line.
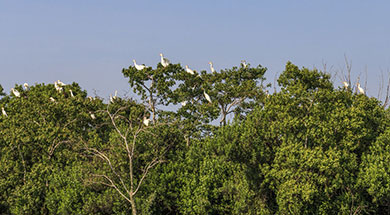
x,y
346,85
3,111
138,67
164,61
211,67
189,70
361,90
146,121
207,96
15,92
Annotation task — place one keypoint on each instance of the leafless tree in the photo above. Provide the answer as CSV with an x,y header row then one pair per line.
x,y
129,132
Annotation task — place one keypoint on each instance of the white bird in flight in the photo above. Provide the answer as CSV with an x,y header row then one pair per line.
x,y
211,67
164,61
139,67
361,90
189,70
207,97
15,92
25,86
3,111
146,121
346,85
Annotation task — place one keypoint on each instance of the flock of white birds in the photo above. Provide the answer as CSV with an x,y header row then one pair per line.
x,y
164,62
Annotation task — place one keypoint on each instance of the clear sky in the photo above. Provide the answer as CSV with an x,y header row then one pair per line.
x,y
90,41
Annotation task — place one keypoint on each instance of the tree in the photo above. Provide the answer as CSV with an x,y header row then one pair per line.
x,y
38,140
133,150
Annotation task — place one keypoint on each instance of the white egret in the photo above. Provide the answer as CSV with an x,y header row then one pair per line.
x,y
25,86
346,85
52,99
111,99
184,103
58,87
60,83
90,98
189,70
138,67
361,90
243,62
146,121
93,116
15,92
71,93
211,67
164,61
3,111
207,96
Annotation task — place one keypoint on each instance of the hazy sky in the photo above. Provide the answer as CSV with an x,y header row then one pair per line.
x,y
90,41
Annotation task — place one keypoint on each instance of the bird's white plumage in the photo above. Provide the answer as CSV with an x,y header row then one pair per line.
x,y
52,99
58,87
146,121
346,85
3,111
244,63
71,93
138,67
93,116
184,103
25,86
189,70
15,92
207,96
211,67
361,90
164,61
61,84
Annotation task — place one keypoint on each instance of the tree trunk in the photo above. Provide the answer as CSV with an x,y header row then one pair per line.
x,y
133,209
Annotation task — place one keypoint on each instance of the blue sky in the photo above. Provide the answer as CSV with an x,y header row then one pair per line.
x,y
89,42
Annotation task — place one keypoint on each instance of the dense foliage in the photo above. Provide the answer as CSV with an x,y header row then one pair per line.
x,y
310,148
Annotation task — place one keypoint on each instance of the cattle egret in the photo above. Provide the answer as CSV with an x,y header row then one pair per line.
x,y
146,121
15,92
183,103
243,62
207,96
164,61
361,90
93,116
111,99
189,70
90,98
346,85
58,87
52,99
60,83
138,67
71,93
3,111
25,86
211,67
